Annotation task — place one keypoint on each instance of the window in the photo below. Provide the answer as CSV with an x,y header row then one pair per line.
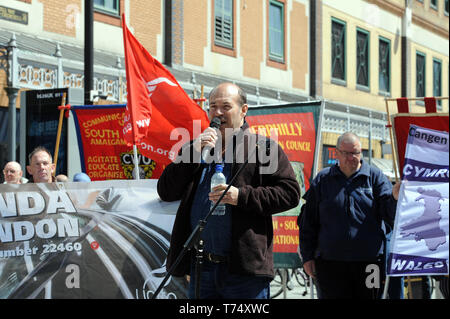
x,y
276,31
420,74
107,6
446,7
384,65
437,79
433,4
223,23
362,58
338,50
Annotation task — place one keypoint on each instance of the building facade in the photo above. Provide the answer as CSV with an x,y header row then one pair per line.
x,y
377,50
350,54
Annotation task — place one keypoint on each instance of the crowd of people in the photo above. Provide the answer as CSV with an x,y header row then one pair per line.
x,y
342,225
40,167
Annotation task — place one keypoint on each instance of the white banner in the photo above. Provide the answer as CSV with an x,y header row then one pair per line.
x,y
420,242
105,239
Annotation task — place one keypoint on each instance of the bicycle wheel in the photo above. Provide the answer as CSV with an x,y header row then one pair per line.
x,y
301,277
278,283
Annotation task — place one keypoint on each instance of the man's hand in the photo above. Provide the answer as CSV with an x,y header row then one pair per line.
x,y
207,138
231,197
310,268
396,190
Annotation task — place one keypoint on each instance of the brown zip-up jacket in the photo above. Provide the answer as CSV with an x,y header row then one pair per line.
x,y
260,196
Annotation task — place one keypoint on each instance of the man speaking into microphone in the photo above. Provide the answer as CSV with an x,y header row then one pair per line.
x,y
238,246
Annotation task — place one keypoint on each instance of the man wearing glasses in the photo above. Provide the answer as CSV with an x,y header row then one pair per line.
x,y
341,237
13,174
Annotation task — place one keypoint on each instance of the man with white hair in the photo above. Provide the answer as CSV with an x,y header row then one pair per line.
x,y
13,173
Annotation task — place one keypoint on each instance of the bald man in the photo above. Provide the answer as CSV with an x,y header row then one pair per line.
x,y
13,173
61,178
238,251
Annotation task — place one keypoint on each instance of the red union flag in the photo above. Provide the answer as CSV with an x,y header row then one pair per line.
x,y
157,105
139,107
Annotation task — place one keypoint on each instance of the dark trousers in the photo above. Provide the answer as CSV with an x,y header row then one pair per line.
x,y
217,283
349,279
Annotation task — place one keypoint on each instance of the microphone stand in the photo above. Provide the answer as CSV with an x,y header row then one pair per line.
x,y
195,237
198,265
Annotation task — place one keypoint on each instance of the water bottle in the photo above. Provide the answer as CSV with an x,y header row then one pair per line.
x,y
216,179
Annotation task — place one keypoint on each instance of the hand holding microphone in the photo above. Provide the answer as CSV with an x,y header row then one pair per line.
x,y
209,138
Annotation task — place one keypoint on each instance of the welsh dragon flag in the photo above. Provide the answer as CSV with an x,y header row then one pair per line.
x,y
420,240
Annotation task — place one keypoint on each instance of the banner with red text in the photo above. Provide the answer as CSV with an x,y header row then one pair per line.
x,y
295,132
104,239
104,153
295,127
286,230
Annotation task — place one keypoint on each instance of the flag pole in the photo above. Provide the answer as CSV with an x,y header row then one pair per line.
x,y
202,96
201,99
389,125
58,135
386,287
394,163
136,163
311,288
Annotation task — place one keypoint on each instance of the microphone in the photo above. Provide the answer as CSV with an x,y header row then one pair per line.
x,y
215,123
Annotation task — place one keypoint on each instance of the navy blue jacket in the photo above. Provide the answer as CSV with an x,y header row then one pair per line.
x,y
341,219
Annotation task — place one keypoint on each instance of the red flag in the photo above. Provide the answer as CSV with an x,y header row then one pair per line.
x,y
139,107
157,104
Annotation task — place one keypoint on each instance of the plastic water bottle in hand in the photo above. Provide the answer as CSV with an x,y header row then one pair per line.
x,y
216,179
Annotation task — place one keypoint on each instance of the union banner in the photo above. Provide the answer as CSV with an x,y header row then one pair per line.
x,y
103,151
295,132
295,127
105,239
420,242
